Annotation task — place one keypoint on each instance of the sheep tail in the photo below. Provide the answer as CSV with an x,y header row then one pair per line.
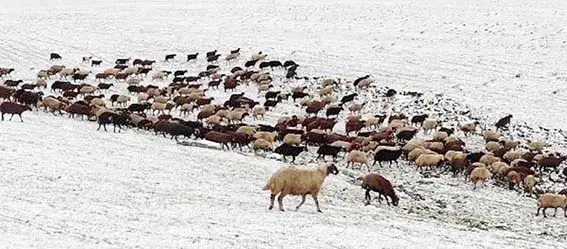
x,y
269,184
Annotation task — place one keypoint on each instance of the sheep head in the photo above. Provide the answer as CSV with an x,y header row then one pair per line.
x,y
332,169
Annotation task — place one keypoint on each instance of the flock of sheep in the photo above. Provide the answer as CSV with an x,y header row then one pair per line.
x,y
324,102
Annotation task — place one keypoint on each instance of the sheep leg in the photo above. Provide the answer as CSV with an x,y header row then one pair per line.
x,y
537,213
272,199
316,202
367,197
379,197
11,117
543,211
301,203
2,116
280,201
21,117
555,213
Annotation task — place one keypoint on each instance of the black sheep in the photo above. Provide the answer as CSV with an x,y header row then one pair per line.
x,y
289,63
274,64
211,53
355,83
333,111
264,64
288,150
348,98
328,150
192,56
449,131
250,63
54,56
272,95
390,93
503,122
105,86
169,57
406,135
418,119
386,155
175,130
179,72
298,95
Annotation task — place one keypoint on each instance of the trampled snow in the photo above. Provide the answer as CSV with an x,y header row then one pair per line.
x,y
66,185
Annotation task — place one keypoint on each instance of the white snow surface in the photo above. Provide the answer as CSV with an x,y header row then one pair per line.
x,y
66,185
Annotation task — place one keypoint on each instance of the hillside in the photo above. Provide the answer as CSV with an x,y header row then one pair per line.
x,y
66,185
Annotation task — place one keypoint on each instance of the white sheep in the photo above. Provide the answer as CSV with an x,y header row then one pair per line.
x,y
262,144
412,144
160,107
343,144
549,200
87,90
440,136
529,183
122,100
41,83
372,122
269,136
294,181
415,153
98,102
436,146
429,160
133,81
161,99
365,83
488,159
130,70
510,144
537,146
469,128
186,108
328,82
429,125
258,56
292,139
248,130
496,166
491,136
258,111
512,155
214,120
159,75
479,174
357,156
354,108
327,90
42,74
492,146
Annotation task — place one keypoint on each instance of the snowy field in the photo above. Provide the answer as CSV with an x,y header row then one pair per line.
x,y
65,185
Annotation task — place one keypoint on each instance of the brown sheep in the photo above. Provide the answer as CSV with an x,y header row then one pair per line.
x,y
13,108
377,183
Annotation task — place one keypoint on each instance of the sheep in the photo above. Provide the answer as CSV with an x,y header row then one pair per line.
x,y
537,146
549,200
41,83
436,146
288,150
429,124
429,160
269,136
157,106
510,144
13,108
97,102
87,90
377,183
415,153
529,183
469,128
328,150
214,120
491,146
122,100
357,156
53,104
186,108
258,56
159,75
248,130
480,173
412,144
261,144
133,81
440,136
294,181
161,99
258,111
387,154
354,108
495,167
491,136
292,139
512,155
457,160
514,178
488,159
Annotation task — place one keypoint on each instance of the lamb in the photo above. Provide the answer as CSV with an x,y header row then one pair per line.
x,y
479,174
549,200
377,183
262,144
357,156
429,160
294,181
292,139
529,183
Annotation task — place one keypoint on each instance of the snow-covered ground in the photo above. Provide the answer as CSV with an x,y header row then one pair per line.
x,y
65,185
